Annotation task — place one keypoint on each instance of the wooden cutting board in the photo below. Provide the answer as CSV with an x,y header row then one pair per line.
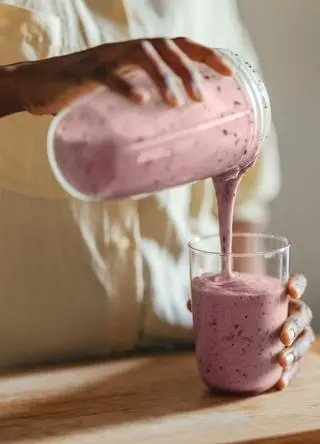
x,y
152,400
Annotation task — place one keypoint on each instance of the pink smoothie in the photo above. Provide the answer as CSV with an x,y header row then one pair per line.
x,y
106,146
237,324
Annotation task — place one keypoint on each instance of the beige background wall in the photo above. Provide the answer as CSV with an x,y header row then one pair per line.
x,y
287,37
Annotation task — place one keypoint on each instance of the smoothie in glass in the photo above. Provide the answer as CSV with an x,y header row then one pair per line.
x,y
238,318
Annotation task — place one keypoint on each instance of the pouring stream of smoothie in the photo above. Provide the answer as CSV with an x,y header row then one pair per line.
x,y
226,195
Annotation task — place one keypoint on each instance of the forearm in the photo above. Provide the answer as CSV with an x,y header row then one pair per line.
x,y
41,87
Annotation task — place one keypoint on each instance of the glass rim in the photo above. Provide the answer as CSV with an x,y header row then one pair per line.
x,y
286,245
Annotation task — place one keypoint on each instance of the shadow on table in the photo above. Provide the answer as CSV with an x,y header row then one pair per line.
x,y
311,437
154,388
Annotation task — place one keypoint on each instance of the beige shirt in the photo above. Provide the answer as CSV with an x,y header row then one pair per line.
x,y
87,279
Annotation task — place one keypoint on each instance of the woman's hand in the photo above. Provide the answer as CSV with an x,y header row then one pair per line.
x,y
296,335
48,85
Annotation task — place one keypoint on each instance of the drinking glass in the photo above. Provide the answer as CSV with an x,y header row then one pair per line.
x,y
238,319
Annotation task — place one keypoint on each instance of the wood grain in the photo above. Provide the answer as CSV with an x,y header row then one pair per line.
x,y
155,400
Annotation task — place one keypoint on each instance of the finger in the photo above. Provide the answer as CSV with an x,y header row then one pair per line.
x,y
189,306
297,286
122,86
182,66
292,354
294,305
203,54
288,375
295,325
165,80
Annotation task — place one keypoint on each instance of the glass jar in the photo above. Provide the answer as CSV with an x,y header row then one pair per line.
x,y
104,146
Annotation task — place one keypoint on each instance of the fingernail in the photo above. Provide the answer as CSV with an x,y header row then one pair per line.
x,y
289,358
299,284
174,99
224,67
291,334
173,92
196,93
196,85
286,379
140,95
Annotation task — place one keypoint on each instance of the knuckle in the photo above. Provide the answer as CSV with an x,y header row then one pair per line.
x,y
169,43
294,306
145,45
291,373
310,334
309,313
167,79
157,40
302,346
306,313
288,357
296,352
181,39
296,322
210,51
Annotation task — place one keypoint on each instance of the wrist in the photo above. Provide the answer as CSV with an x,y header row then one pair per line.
x,y
44,86
10,97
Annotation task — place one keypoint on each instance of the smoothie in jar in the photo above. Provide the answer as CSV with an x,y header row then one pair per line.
x,y
104,146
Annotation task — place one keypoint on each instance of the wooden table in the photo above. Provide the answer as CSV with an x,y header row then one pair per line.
x,y
152,400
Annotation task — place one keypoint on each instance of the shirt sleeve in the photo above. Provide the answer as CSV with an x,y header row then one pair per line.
x,y
26,33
